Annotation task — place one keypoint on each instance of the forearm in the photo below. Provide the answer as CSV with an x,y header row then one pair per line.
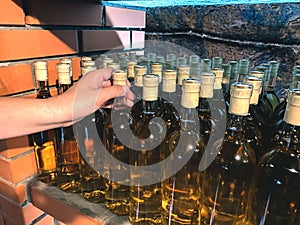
x,y
22,116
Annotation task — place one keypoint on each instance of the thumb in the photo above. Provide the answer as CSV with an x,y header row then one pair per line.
x,y
111,92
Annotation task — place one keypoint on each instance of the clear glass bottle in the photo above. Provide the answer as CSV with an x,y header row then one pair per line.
x,y
181,192
275,197
226,181
234,71
204,110
117,194
131,71
255,126
145,199
68,155
45,141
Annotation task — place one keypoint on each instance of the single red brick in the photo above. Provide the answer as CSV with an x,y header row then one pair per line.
x,y
18,169
17,214
16,78
15,192
99,40
14,143
138,39
24,44
121,17
64,12
11,12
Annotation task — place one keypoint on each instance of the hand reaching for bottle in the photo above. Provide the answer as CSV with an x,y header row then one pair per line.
x,y
29,115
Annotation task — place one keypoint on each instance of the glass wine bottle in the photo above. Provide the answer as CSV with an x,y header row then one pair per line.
x,y
204,110
117,193
45,141
145,199
68,152
226,182
275,197
181,192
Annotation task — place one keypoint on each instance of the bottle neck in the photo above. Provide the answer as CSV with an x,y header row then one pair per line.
x,y
203,104
63,87
236,128
150,107
43,90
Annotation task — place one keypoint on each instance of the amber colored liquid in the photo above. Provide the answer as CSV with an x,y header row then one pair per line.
x,y
226,185
181,192
68,174
116,193
276,195
46,161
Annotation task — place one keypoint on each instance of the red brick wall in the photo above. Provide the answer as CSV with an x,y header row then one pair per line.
x,y
49,30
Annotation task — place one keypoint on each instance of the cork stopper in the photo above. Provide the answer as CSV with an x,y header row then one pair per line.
x,y
274,65
216,62
207,62
240,94
295,79
156,68
171,56
169,81
130,68
88,63
256,82
160,59
190,92
181,61
105,61
150,87
183,72
86,58
152,56
41,70
195,70
63,71
66,60
207,84
226,73
219,77
132,56
87,69
194,59
292,110
140,71
113,65
257,73
244,66
234,69
119,77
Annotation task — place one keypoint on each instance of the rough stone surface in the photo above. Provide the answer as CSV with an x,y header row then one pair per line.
x,y
259,32
274,23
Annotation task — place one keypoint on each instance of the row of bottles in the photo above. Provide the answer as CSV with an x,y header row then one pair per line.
x,y
250,175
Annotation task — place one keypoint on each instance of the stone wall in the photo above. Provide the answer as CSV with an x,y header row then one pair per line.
x,y
259,32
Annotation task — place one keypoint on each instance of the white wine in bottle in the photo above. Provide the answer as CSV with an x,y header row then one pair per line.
x,y
117,193
45,141
275,196
227,180
181,192
68,152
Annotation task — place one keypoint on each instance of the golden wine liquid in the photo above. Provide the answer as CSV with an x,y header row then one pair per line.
x,y
227,185
181,192
46,162
92,183
68,174
145,204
